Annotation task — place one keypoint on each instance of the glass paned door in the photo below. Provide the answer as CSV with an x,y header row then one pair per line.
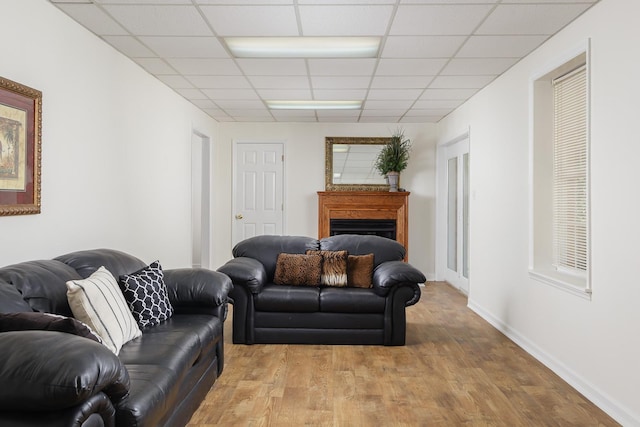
x,y
457,215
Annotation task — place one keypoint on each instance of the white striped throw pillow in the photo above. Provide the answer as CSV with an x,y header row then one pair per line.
x,y
98,302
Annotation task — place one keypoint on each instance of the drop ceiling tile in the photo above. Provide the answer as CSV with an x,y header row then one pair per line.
x,y
205,104
138,1
191,94
186,47
353,82
409,67
176,82
367,112
242,2
155,66
422,46
130,46
450,1
284,94
548,1
272,67
461,82
511,46
220,82
478,66
438,19
252,20
437,104
403,94
401,82
341,20
376,119
239,104
160,20
530,18
94,18
387,105
446,94
288,114
429,111
332,2
240,94
340,94
204,66
248,113
277,82
340,116
341,67
420,119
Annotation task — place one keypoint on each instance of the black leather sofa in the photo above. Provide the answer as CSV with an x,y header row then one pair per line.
x,y
52,378
264,312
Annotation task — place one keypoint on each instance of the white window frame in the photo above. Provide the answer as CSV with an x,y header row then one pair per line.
x,y
541,259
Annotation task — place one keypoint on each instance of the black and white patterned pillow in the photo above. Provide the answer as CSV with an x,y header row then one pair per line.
x,y
146,294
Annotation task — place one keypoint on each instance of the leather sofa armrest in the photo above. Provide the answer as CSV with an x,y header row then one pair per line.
x,y
197,287
247,272
392,273
47,370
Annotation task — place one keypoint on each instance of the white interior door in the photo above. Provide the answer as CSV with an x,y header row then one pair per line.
x,y
258,189
455,190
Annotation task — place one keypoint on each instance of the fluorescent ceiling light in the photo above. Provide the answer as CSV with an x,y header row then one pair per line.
x,y
303,47
314,105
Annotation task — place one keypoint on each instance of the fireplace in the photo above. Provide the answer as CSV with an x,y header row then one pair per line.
x,y
377,227
365,212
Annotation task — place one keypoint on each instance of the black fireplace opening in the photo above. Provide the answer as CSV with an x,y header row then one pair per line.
x,y
376,227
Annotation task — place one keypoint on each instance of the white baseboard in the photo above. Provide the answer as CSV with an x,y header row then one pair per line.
x,y
621,414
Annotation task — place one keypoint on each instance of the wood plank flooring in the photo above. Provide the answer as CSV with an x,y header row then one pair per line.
x,y
456,369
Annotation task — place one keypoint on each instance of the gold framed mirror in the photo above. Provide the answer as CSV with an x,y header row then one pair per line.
x,y
349,164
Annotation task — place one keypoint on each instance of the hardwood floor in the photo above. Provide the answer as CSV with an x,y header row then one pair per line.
x,y
456,369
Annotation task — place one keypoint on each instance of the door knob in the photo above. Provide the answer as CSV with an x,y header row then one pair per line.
x,y
239,216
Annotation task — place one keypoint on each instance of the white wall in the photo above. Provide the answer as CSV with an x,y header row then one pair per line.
x,y
592,344
304,175
116,145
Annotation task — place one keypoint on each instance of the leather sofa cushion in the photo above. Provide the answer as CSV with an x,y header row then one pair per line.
x,y
42,284
284,298
159,361
351,300
382,248
266,249
87,262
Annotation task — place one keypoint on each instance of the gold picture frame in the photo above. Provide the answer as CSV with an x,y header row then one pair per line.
x,y
330,141
20,148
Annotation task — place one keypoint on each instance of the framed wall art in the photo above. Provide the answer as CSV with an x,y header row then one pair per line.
x,y
20,148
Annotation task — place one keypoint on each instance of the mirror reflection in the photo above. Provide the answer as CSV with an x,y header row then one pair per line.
x,y
354,164
350,164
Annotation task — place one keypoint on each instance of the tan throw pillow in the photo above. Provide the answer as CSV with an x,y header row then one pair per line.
x,y
360,270
98,302
334,267
298,269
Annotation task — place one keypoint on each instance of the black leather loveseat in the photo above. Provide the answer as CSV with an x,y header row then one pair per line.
x,y
268,310
56,378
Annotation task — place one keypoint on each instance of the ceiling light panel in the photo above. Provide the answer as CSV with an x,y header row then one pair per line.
x,y
303,47
313,105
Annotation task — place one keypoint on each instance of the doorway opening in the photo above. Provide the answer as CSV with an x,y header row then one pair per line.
x,y
200,200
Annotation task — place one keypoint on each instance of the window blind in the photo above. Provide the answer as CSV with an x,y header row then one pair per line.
x,y
570,208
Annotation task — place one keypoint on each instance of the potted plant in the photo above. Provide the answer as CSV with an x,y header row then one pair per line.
x,y
393,158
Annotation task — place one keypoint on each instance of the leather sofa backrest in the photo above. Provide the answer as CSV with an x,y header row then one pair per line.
x,y
267,248
383,249
42,284
87,262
